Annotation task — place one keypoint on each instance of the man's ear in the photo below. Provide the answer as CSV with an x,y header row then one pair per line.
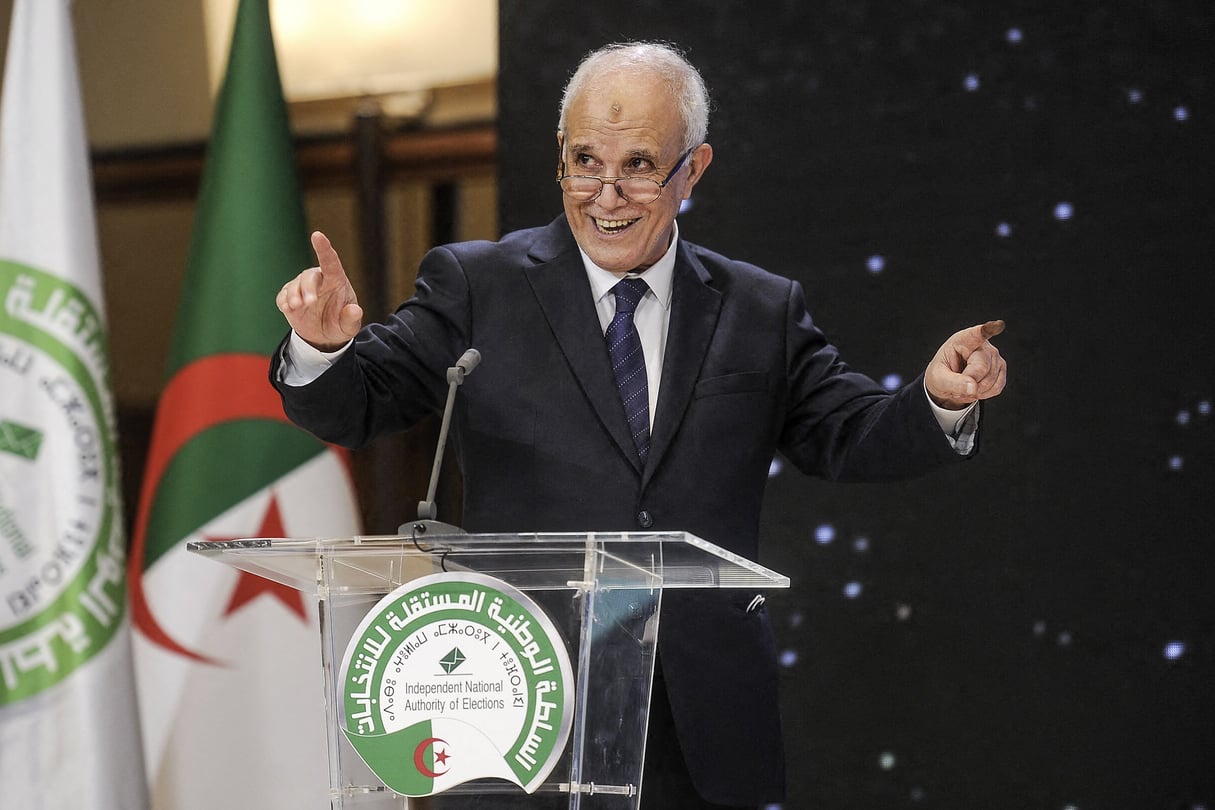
x,y
700,159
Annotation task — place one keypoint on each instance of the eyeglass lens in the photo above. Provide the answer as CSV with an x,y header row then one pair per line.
x,y
633,189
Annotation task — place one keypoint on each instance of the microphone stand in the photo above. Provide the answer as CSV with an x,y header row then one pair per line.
x,y
426,524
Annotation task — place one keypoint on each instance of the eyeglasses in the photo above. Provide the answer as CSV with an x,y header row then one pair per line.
x,y
640,190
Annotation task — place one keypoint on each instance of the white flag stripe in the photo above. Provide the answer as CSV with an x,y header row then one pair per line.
x,y
473,755
261,728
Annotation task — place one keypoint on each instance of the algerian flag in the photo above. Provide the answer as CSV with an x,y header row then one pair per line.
x,y
69,735
228,664
432,756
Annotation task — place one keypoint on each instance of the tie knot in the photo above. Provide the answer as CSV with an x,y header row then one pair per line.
x,y
628,293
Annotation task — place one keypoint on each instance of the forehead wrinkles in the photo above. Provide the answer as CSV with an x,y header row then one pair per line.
x,y
626,105
591,125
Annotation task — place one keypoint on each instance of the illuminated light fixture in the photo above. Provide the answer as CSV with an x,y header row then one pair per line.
x,y
333,49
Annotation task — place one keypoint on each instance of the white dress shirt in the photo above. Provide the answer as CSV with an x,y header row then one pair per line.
x,y
653,313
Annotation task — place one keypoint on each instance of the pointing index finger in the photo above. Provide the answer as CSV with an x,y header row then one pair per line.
x,y
326,256
990,329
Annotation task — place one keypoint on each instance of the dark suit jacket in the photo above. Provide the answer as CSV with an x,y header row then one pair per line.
x,y
543,445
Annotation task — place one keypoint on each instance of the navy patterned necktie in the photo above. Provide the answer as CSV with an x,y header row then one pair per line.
x,y
628,362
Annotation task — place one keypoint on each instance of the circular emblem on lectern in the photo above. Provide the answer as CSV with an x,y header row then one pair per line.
x,y
454,677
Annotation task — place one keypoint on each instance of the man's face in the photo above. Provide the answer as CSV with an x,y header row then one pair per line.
x,y
624,124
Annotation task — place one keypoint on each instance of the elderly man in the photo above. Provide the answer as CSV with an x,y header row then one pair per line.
x,y
632,381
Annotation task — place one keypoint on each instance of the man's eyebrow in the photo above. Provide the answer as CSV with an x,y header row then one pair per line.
x,y
579,148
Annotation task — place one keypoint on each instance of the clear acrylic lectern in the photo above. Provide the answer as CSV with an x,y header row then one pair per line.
x,y
600,593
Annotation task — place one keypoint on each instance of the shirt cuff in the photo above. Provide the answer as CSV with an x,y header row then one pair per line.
x,y
961,427
302,362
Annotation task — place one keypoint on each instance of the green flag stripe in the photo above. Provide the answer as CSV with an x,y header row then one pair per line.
x,y
217,469
250,234
391,757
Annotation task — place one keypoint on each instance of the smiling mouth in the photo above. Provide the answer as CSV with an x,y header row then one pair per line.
x,y
610,226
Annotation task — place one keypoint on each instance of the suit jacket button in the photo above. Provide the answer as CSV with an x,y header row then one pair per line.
x,y
644,519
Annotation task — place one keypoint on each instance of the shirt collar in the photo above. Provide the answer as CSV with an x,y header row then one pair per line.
x,y
658,276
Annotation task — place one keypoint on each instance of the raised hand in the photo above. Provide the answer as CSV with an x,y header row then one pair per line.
x,y
320,303
968,367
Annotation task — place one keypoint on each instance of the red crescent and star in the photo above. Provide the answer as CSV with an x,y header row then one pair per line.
x,y
441,757
190,399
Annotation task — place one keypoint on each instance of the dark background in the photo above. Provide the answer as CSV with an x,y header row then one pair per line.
x,y
1033,629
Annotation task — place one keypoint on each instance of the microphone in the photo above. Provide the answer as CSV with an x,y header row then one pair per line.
x,y
426,509
465,365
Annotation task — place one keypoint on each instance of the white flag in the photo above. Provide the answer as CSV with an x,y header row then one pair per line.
x,y
69,732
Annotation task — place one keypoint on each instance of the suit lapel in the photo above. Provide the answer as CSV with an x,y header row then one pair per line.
x,y
695,307
561,287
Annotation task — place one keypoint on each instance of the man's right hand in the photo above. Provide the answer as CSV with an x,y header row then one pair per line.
x,y
320,303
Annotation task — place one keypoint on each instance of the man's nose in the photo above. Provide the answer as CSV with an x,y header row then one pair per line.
x,y
616,197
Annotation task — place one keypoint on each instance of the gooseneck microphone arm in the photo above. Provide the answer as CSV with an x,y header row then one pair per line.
x,y
455,377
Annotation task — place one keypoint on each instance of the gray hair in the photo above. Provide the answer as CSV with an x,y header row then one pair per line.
x,y
684,81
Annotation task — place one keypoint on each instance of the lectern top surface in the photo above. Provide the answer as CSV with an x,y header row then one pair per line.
x,y
367,564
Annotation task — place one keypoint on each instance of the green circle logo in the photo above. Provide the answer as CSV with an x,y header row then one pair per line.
x,y
454,677
61,544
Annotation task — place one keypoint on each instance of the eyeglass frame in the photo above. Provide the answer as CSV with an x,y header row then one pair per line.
x,y
603,181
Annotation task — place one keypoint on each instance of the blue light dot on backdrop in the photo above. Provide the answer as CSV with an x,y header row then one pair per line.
x,y
852,590
824,534
971,82
876,264
1004,230
1064,211
1174,650
1181,113
1176,463
892,382
1014,35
